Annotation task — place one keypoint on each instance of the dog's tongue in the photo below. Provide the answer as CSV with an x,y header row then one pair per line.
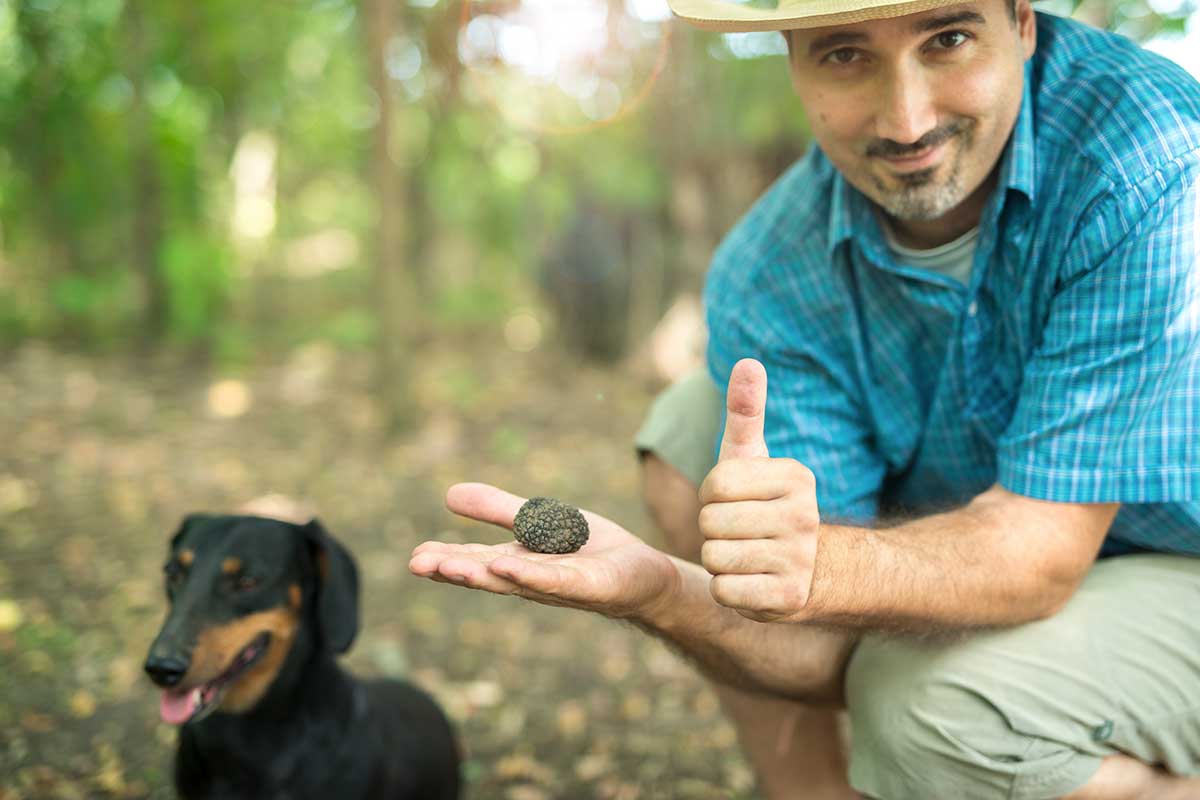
x,y
177,708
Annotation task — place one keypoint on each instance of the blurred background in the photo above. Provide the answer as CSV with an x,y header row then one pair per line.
x,y
331,257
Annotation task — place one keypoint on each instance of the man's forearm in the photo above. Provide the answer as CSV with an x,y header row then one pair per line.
x,y
805,662
1001,560
991,563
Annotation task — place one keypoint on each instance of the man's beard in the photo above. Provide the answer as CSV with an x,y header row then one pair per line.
x,y
921,197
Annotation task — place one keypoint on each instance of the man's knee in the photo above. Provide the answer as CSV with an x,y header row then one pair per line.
x,y
912,730
925,725
672,502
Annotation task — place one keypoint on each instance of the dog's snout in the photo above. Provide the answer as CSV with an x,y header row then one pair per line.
x,y
166,671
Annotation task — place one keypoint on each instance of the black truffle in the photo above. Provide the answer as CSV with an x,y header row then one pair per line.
x,y
545,525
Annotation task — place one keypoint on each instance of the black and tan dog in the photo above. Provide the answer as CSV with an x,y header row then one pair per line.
x,y
259,609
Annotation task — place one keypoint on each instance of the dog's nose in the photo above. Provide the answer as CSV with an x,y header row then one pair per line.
x,y
166,671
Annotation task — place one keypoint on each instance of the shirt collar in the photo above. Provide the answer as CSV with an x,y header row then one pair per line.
x,y
1019,158
850,212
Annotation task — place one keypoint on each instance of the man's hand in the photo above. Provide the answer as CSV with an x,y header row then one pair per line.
x,y
759,514
615,573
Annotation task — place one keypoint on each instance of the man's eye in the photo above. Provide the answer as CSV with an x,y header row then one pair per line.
x,y
950,39
845,55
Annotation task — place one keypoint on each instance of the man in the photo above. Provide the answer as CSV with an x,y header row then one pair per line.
x,y
979,305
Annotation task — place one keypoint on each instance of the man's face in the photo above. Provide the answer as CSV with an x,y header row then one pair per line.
x,y
915,111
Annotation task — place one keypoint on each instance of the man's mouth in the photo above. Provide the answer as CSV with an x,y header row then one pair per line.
x,y
179,706
912,162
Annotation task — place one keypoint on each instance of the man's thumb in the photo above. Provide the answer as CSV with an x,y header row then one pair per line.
x,y
746,404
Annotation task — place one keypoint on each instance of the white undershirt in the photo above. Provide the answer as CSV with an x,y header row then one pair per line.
x,y
952,259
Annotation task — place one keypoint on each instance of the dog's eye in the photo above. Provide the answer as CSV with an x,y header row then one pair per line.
x,y
173,574
246,583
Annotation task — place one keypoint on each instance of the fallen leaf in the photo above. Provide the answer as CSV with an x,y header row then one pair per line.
x,y
111,775
124,673
16,494
616,666
10,616
613,789
522,767
83,704
484,694
228,399
635,706
526,791
592,766
35,722
572,718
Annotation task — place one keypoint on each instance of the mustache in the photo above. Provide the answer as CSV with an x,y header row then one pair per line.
x,y
892,149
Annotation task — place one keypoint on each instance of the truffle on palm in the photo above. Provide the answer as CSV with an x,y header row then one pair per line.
x,y
545,525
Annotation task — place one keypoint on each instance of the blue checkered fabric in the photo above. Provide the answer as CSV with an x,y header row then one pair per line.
x,y
1067,370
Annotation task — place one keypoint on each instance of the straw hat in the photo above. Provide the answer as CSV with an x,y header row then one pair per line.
x,y
775,15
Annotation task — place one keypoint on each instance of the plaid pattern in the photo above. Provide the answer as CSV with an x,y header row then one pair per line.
x,y
1069,368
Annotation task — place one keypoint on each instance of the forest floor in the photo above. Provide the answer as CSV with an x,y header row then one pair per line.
x,y
102,457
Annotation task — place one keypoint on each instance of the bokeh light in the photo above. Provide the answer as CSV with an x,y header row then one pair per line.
x,y
565,68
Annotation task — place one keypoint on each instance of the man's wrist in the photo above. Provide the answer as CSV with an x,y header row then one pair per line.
x,y
657,612
822,604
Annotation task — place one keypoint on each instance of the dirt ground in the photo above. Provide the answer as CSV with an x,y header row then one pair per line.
x,y
100,459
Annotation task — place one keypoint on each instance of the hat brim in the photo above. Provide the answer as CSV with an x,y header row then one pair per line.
x,y
733,16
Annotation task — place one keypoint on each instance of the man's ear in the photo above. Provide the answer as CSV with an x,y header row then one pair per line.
x,y
188,521
337,592
793,56
1026,27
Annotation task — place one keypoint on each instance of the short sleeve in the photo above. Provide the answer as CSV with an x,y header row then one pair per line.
x,y
1109,405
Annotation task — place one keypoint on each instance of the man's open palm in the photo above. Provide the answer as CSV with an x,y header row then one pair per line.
x,y
615,573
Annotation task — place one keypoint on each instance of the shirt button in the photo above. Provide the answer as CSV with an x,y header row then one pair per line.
x,y
972,309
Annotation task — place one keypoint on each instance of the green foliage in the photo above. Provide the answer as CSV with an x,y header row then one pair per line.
x,y
122,201
198,272
351,328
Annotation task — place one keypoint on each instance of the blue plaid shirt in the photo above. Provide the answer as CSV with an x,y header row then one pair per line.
x,y
1069,368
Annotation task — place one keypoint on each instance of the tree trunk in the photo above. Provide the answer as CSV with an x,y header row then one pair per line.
x,y
147,233
394,299
35,143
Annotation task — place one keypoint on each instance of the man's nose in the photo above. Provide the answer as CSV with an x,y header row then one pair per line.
x,y
906,111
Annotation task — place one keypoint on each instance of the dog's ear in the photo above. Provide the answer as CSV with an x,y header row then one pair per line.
x,y
188,521
337,595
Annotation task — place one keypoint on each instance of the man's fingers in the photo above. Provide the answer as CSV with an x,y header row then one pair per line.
x,y
763,596
485,503
476,575
426,559
746,406
746,519
540,576
465,565
754,479
749,557
446,549
500,569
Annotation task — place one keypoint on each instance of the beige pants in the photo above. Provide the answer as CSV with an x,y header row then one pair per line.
x,y
1020,714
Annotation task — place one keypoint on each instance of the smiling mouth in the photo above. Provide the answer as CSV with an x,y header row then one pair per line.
x,y
180,706
917,161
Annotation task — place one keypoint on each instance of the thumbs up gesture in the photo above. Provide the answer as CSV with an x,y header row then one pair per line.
x,y
758,514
